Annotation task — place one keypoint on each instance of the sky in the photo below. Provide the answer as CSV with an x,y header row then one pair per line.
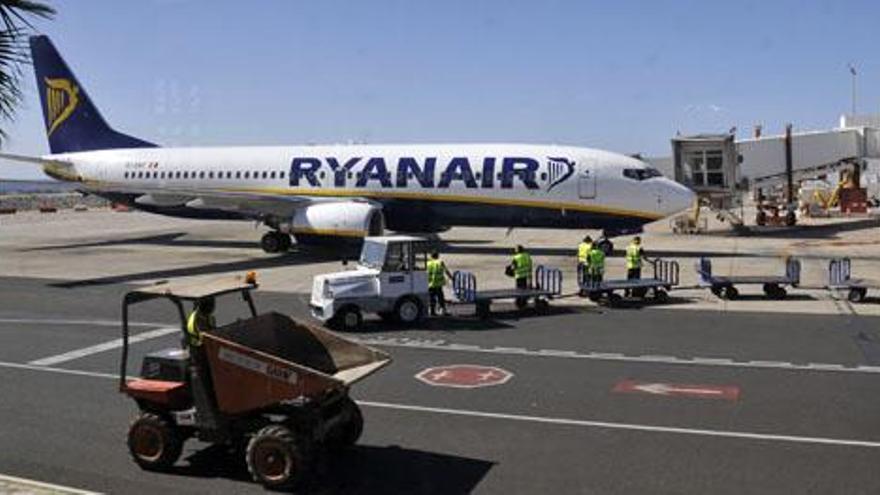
x,y
623,76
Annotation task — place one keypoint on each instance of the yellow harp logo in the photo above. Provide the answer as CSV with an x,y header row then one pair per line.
x,y
62,97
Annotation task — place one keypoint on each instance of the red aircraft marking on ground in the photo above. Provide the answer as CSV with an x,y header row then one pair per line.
x,y
718,392
464,376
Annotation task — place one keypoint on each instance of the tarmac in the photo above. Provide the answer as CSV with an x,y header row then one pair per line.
x,y
699,395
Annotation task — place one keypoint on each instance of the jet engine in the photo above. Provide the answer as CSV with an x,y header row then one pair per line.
x,y
331,221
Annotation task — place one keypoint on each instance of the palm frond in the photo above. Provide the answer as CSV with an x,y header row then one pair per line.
x,y
14,51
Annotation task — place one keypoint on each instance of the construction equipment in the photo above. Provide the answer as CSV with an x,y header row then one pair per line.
x,y
268,382
547,285
390,279
725,287
840,279
666,276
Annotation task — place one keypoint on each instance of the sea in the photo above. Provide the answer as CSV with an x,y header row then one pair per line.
x,y
8,186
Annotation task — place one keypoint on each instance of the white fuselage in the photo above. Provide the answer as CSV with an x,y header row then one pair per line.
x,y
455,184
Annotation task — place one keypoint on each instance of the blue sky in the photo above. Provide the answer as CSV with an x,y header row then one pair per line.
x,y
624,76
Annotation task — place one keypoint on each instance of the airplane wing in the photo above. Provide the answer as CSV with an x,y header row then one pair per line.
x,y
247,203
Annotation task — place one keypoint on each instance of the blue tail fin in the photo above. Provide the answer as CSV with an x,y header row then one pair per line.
x,y
72,121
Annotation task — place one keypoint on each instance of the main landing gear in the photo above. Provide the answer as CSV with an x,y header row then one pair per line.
x,y
275,242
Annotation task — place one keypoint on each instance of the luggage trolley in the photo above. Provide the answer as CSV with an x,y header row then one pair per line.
x,y
725,287
666,276
840,279
547,285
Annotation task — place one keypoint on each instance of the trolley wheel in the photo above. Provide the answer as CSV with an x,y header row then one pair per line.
x,y
731,293
483,309
542,305
614,299
717,291
154,442
660,295
521,303
408,310
790,219
594,296
348,319
275,460
857,294
780,293
349,431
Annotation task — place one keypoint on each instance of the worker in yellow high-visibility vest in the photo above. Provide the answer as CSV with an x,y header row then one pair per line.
x,y
634,253
522,271
596,267
437,273
583,258
201,319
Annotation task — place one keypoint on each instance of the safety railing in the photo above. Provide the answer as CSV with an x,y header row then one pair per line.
x,y
548,279
464,286
667,271
839,271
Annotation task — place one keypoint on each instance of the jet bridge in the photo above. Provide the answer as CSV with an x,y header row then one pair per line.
x,y
719,169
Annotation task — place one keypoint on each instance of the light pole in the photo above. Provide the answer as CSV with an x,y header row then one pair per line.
x,y
852,71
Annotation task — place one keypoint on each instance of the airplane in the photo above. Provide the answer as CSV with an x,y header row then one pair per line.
x,y
327,193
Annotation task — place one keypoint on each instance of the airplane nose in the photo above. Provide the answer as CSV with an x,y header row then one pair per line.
x,y
676,197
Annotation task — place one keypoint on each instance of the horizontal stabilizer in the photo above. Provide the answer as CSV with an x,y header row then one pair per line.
x,y
58,169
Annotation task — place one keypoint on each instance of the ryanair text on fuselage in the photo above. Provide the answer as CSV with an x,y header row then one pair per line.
x,y
485,173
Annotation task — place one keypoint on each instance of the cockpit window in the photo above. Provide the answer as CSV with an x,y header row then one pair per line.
x,y
641,173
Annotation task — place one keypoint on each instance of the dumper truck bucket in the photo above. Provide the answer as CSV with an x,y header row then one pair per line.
x,y
262,361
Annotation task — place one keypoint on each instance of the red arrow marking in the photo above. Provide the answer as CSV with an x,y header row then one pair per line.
x,y
722,392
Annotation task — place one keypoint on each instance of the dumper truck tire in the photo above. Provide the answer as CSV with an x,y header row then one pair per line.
x,y
348,432
275,460
154,442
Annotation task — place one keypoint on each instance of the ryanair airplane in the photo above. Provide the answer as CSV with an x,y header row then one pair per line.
x,y
323,193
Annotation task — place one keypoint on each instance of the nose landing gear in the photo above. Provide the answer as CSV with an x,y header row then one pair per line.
x,y
275,242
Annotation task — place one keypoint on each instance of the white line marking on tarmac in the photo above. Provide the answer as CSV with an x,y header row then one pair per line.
x,y
14,480
97,323
542,419
63,371
627,426
102,347
436,345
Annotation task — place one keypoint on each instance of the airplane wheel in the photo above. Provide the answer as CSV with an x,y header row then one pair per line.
x,y
271,242
286,242
857,295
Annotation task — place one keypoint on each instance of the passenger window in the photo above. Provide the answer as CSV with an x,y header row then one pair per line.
x,y
238,174
281,174
272,175
265,174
